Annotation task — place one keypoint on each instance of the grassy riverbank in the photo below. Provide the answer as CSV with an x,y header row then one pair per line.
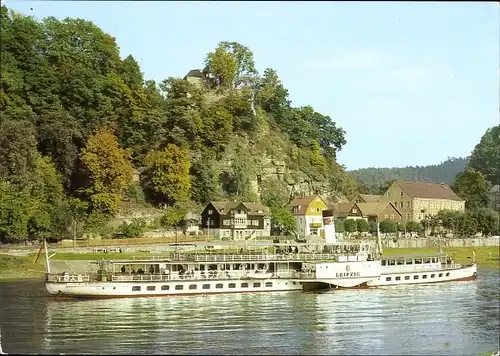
x,y
22,267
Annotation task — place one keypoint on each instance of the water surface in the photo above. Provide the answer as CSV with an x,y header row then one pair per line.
x,y
460,318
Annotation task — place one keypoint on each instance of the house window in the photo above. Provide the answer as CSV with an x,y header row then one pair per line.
x,y
210,211
408,204
386,216
407,215
227,222
401,204
392,216
255,222
401,193
354,210
295,209
222,210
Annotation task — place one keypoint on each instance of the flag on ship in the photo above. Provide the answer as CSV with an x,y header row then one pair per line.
x,y
39,252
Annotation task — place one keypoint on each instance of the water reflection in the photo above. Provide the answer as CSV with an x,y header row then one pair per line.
x,y
455,318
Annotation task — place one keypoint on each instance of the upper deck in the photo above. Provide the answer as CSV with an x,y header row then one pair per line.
x,y
299,252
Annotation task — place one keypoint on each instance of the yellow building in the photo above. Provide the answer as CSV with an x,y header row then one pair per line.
x,y
308,214
417,201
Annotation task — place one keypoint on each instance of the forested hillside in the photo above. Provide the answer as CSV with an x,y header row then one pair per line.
x,y
374,178
81,131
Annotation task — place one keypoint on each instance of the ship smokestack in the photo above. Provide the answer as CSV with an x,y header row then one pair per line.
x,y
329,226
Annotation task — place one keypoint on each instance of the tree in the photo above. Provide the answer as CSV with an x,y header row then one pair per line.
x,y
486,220
388,226
448,219
18,153
222,65
232,64
412,226
350,225
167,174
283,218
362,225
466,225
472,187
15,212
339,225
485,157
110,169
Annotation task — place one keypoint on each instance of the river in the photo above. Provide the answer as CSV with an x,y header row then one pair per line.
x,y
460,318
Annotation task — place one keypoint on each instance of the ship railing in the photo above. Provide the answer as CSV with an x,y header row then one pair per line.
x,y
215,275
66,278
256,257
304,275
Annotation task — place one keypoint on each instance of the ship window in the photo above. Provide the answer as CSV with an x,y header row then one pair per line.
x,y
179,287
424,276
218,285
401,262
384,262
387,278
415,277
165,287
447,274
206,286
427,260
398,278
232,285
244,285
433,275
193,286
409,261
418,261
269,284
440,275
256,284
407,278
151,288
136,288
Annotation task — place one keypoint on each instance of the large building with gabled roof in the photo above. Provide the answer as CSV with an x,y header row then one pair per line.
x,y
417,201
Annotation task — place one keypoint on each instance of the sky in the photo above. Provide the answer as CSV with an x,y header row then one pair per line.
x,y
411,83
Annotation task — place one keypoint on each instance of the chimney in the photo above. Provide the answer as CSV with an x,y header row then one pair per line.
x,y
329,226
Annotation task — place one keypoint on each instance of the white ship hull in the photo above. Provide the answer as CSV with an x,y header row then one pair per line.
x,y
179,287
393,278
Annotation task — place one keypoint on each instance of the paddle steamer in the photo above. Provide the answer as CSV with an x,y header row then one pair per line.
x,y
260,268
